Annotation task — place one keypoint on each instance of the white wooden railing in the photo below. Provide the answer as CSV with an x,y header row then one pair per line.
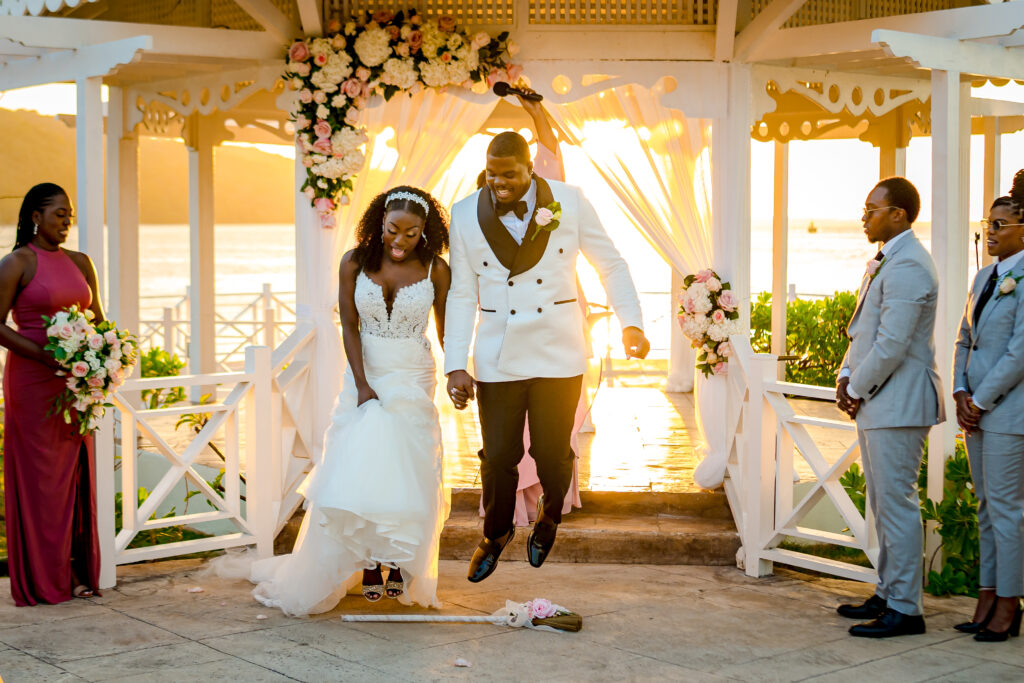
x,y
765,436
261,420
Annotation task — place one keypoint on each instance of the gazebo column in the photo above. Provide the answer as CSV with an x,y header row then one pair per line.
x,y
681,356
122,215
780,253
993,161
951,141
892,161
200,136
89,172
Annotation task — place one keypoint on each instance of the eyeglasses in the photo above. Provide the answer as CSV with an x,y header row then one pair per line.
x,y
867,212
997,225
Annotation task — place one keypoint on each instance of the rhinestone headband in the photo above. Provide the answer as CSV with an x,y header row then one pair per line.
x,y
411,197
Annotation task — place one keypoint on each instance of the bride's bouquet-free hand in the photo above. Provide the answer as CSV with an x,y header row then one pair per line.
x,y
96,359
709,315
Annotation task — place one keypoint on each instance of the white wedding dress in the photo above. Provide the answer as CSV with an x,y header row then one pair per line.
x,y
378,496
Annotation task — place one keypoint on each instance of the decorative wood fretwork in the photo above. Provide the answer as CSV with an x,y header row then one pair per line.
x,y
17,8
466,12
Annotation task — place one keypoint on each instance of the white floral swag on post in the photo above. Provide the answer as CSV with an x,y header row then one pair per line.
x,y
708,316
380,53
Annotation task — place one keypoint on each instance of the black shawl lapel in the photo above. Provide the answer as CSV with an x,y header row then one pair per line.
x,y
531,250
501,242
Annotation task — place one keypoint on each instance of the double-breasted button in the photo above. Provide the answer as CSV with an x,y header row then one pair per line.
x,y
485,264
512,312
538,310
510,283
559,250
539,281
974,348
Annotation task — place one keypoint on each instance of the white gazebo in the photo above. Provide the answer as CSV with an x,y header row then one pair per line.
x,y
694,80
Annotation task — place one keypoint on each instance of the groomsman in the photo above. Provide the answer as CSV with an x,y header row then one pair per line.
x,y
888,383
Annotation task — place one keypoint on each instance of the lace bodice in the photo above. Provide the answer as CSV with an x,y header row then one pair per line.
x,y
409,312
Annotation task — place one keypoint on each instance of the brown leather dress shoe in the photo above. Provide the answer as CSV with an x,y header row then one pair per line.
x,y
485,557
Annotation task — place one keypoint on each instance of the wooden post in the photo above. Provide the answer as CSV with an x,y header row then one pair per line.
x,y
260,474
780,253
105,500
991,189
758,469
122,214
269,335
892,161
202,311
89,173
169,336
950,173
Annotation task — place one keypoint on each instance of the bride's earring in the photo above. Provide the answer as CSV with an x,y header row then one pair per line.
x,y
35,228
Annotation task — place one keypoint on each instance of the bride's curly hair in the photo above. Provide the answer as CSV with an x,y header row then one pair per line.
x,y
1016,198
369,249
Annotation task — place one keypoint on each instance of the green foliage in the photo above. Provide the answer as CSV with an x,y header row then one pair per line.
x,y
159,363
815,333
167,534
856,485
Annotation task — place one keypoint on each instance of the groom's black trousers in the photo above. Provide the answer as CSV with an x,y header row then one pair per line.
x,y
550,405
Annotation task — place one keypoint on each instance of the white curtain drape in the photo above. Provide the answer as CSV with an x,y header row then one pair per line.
x,y
658,163
413,141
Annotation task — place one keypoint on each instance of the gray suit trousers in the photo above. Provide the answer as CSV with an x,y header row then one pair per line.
x,y
997,467
892,460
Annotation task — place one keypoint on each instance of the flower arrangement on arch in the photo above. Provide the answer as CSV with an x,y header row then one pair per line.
x,y
379,53
97,359
709,315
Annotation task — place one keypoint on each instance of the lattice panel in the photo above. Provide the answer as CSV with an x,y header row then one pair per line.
x,y
576,12
202,13
815,12
466,12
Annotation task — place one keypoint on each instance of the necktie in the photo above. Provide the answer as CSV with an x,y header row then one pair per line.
x,y
518,208
985,295
879,256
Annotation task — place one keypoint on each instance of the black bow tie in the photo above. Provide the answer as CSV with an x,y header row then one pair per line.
x,y
518,208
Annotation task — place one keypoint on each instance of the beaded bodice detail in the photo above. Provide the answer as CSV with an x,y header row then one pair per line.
x,y
409,311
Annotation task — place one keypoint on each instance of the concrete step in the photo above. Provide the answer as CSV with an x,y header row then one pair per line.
x,y
615,527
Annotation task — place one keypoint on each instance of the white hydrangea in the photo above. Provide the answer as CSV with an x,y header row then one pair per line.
x,y
322,112
721,332
433,40
400,73
348,139
321,46
338,67
695,326
339,100
373,46
339,167
454,42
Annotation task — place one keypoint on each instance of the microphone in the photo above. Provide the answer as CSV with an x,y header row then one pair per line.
x,y
501,89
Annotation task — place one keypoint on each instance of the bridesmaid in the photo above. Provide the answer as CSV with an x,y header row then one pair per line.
x,y
988,376
49,471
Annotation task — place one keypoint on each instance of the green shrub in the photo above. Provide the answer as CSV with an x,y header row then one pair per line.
x,y
159,363
815,333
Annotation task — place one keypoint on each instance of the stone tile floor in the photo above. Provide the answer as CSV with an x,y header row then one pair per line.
x,y
641,622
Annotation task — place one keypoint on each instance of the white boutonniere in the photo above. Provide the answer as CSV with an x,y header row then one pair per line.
x,y
873,267
547,218
1008,284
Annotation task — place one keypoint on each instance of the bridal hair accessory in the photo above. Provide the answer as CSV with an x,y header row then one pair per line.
x,y
411,197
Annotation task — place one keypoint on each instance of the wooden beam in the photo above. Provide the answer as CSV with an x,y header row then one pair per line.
x,y
70,65
309,15
271,19
767,22
186,41
946,54
965,23
725,30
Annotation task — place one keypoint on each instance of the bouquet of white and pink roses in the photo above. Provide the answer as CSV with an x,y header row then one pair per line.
x,y
97,359
709,315
540,612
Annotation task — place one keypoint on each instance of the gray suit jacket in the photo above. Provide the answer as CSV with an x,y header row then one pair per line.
x,y
989,358
891,358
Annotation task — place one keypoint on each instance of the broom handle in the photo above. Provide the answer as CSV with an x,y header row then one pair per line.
x,y
430,618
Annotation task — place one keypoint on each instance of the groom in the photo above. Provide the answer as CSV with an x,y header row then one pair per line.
x,y
513,257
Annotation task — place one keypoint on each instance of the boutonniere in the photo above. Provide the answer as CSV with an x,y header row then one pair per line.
x,y
1008,284
547,218
874,266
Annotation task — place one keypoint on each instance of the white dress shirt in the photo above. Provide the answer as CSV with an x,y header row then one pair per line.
x,y
886,248
1002,268
517,226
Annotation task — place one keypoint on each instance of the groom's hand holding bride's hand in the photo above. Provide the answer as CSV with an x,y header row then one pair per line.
x,y
460,388
635,343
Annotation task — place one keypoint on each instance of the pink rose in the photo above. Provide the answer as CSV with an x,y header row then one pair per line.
x,y
66,330
872,267
704,275
446,23
725,350
402,49
480,40
301,122
80,368
360,102
117,377
95,382
324,204
352,116
513,48
307,162
362,73
322,145
334,25
322,129
110,336
338,42
353,87
327,220
298,52
319,97
1007,285
415,20
392,32
383,16
71,383
714,285
514,72
415,40
365,93
495,76
305,96
301,69
320,60
544,216
720,368
309,192
96,341
688,306
728,300
718,317
541,608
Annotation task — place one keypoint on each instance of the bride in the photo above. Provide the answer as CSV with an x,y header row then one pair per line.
x,y
377,501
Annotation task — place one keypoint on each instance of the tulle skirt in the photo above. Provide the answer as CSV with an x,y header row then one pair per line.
x,y
377,497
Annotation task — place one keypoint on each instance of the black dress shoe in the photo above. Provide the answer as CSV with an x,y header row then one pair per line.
x,y
485,557
889,624
538,545
869,609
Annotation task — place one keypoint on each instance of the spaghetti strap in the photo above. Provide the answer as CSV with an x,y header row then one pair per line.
x,y
430,267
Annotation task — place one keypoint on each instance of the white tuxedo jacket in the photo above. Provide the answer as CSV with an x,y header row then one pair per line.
x,y
530,324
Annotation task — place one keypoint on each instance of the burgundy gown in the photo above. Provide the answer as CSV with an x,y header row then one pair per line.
x,y
49,470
